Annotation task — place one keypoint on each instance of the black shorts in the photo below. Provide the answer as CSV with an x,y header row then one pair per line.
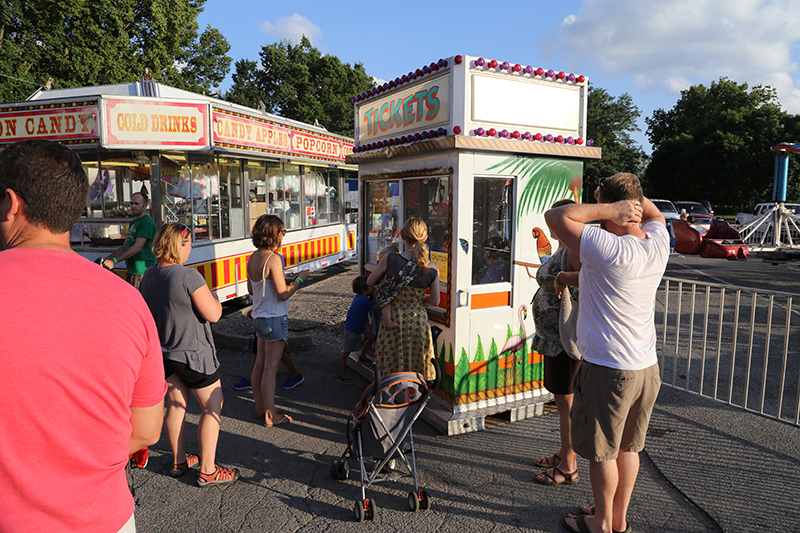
x,y
190,378
559,372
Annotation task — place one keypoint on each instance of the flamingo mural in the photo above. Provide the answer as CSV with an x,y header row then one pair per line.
x,y
515,342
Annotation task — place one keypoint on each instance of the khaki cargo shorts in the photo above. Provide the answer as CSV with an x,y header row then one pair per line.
x,y
611,410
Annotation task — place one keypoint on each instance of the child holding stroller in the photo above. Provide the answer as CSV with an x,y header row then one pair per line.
x,y
355,324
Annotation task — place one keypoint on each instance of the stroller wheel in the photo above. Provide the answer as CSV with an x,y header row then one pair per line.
x,y
340,470
372,510
413,501
358,508
424,500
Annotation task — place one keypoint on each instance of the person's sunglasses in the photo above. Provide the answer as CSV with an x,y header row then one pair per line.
x,y
283,232
611,195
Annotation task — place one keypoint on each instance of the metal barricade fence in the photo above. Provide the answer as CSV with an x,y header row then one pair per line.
x,y
733,345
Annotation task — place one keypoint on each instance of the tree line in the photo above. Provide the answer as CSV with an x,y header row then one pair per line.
x,y
714,144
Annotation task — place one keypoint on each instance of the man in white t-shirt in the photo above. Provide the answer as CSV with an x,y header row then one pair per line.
x,y
618,380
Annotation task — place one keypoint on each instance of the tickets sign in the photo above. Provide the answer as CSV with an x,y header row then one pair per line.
x,y
155,123
62,122
235,130
421,106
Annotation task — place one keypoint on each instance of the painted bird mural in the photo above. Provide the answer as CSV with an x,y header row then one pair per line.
x,y
515,342
543,247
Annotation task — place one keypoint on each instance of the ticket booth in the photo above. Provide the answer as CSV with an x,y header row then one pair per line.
x,y
480,150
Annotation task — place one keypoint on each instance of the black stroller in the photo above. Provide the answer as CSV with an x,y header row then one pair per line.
x,y
379,430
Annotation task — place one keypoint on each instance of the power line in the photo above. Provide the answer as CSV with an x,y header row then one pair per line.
x,y
18,79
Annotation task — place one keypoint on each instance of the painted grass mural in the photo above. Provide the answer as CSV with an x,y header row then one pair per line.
x,y
491,375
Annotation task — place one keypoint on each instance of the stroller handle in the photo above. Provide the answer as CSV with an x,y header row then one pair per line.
x,y
432,385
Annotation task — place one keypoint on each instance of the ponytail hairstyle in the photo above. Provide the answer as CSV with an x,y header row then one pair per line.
x,y
415,232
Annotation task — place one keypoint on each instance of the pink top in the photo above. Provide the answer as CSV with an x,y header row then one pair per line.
x,y
79,349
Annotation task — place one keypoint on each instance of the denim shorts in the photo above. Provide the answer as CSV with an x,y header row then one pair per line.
x,y
275,328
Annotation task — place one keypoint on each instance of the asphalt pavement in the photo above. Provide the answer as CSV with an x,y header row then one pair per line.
x,y
706,466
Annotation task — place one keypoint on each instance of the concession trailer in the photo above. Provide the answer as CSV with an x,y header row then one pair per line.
x,y
211,165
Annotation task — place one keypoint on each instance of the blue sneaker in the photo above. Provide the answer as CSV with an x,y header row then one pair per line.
x,y
291,383
243,384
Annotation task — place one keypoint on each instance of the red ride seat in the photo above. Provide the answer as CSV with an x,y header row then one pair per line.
x,y
687,239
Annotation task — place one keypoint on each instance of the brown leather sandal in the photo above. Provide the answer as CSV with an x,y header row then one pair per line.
x,y
546,478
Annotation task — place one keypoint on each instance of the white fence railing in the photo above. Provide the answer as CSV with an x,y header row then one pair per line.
x,y
734,345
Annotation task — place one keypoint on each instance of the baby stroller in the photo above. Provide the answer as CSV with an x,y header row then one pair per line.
x,y
379,433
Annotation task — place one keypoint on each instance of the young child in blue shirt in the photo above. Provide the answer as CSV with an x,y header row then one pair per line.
x,y
355,324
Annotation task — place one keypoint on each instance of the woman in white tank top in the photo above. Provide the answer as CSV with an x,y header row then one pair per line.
x,y
267,285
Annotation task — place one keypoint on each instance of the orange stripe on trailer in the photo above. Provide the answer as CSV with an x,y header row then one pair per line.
x,y
226,271
491,299
351,240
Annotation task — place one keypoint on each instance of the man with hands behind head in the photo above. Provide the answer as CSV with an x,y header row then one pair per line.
x,y
618,381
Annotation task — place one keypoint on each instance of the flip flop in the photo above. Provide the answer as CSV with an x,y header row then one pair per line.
x,y
580,521
548,461
284,420
583,512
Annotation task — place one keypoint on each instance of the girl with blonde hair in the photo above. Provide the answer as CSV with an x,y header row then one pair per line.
x,y
184,308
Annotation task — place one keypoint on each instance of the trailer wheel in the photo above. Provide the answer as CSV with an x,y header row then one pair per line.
x,y
413,501
424,500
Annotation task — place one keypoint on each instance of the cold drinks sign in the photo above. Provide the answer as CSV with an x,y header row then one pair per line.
x,y
421,106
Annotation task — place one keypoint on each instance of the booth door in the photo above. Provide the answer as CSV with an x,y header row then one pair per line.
x,y
495,336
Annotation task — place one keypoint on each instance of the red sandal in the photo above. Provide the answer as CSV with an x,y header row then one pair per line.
x,y
220,476
179,469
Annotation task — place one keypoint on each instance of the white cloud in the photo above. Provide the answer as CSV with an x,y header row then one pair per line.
x,y
292,28
671,44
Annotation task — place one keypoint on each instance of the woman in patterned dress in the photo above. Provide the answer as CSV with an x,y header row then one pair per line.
x,y
560,270
409,348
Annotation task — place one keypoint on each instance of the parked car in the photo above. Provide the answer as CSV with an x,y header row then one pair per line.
x,y
667,208
697,210
760,209
670,213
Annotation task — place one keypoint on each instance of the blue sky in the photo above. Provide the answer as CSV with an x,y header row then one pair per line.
x,y
650,49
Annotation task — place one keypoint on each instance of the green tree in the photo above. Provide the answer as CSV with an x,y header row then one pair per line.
x,y
81,43
609,123
715,145
297,81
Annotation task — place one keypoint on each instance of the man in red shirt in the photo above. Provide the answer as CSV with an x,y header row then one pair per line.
x,y
84,388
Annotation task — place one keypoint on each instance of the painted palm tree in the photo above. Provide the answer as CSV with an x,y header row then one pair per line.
x,y
543,181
